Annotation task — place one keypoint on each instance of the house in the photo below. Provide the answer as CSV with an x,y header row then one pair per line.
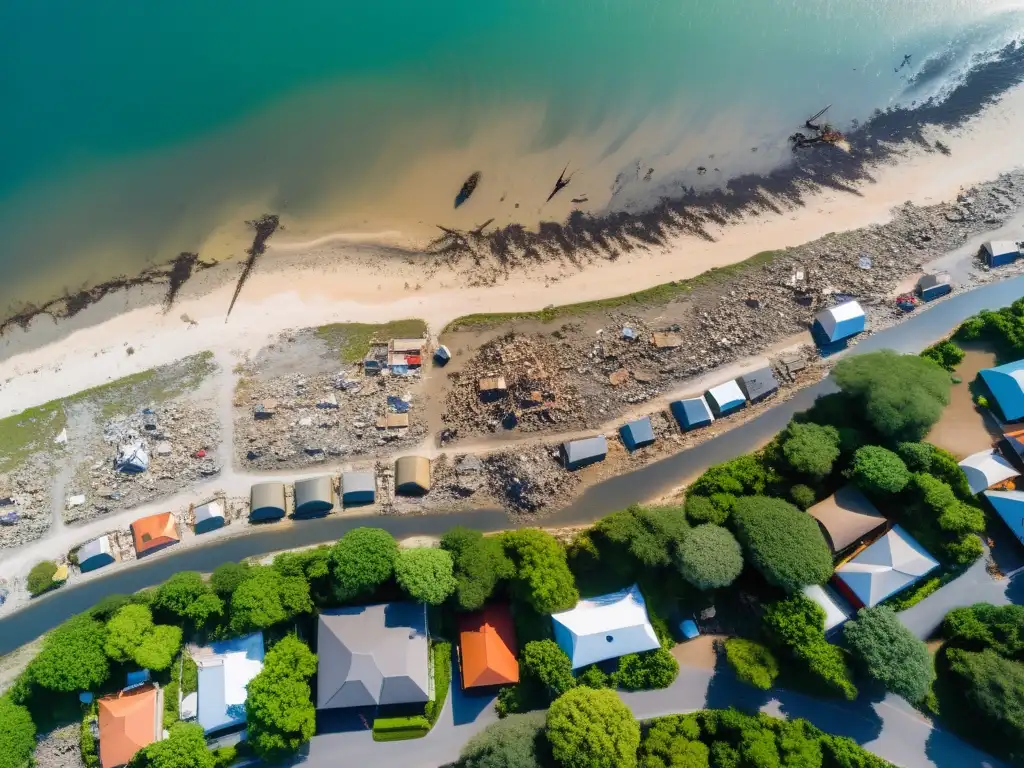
x,y
999,253
132,458
225,669
358,488
846,518
412,476
373,655
835,613
691,413
605,627
986,469
266,501
839,322
95,554
725,398
889,565
487,647
580,453
314,496
129,721
931,287
208,517
154,533
442,355
637,434
1009,505
759,384
1006,383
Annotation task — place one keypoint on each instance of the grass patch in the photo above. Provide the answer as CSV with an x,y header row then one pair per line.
x,y
658,294
352,340
441,654
400,728
27,432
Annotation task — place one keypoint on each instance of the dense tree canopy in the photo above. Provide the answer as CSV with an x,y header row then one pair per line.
x,y
226,578
878,470
994,687
17,734
278,708
890,652
723,483
916,456
798,625
517,741
185,747
40,578
362,560
646,671
803,496
710,557
547,664
72,658
543,579
783,543
946,354
265,598
810,449
983,626
592,729
479,564
700,509
425,573
132,636
902,396
186,597
638,538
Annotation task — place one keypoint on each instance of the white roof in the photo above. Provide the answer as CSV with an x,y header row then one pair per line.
x,y
892,563
1010,506
208,511
998,247
100,546
985,469
829,318
726,393
605,627
225,670
834,614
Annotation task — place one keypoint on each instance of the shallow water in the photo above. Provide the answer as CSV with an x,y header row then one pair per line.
x,y
134,132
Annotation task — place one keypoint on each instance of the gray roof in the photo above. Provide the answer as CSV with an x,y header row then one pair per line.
x,y
372,655
587,449
267,498
933,281
758,383
637,433
358,482
314,494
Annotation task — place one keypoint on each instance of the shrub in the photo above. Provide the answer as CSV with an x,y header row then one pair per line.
x,y
982,401
547,664
946,354
441,654
185,746
543,579
916,456
400,728
933,493
278,708
701,509
754,663
891,654
40,578
362,560
265,598
962,518
742,475
803,496
964,550
517,741
592,729
944,466
425,573
783,543
878,470
982,626
225,757
810,449
17,736
710,557
132,636
479,564
994,688
646,671
72,657
593,677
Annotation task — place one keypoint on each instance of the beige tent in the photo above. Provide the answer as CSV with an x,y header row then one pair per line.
x,y
314,496
267,501
412,475
847,517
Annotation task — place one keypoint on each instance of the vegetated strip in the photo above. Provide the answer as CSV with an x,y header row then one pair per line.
x,y
352,340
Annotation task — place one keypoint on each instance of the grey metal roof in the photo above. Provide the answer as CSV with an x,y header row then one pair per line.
x,y
638,433
758,383
692,411
589,448
314,494
372,655
358,482
267,500
933,281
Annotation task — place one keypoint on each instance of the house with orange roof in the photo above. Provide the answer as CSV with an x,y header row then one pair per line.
x,y
129,721
487,647
154,533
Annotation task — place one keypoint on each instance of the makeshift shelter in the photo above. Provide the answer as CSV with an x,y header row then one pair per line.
x,y
692,413
442,355
759,384
889,565
225,669
1006,383
839,322
605,627
637,434
154,533
412,476
487,647
132,458
987,468
580,453
314,496
998,253
835,614
372,655
931,287
1009,505
266,501
208,517
129,721
95,554
358,488
846,518
725,398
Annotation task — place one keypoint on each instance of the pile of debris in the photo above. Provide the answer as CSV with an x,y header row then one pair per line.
x,y
529,480
25,503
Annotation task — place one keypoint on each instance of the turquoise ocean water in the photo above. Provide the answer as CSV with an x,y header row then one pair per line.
x,y
131,131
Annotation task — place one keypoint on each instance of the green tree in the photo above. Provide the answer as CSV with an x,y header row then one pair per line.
x,y
710,557
947,354
916,456
108,606
543,579
185,747
132,636
982,626
803,496
480,563
890,652
266,598
635,539
425,573
279,711
934,494
226,578
901,396
646,671
878,470
592,729
674,742
187,597
544,662
811,449
753,663
40,578
361,561
72,658
994,689
798,624
962,518
783,543
517,741
17,735
700,509
945,467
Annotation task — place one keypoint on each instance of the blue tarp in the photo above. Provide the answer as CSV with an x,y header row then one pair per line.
x,y
691,413
637,434
397,404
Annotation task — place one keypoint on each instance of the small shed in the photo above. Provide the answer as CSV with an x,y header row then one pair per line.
x,y
847,518
580,453
442,355
666,340
725,398
412,476
266,501
314,496
408,346
931,287
358,488
692,413
208,517
95,554
889,565
132,458
637,434
759,384
393,421
839,322
999,253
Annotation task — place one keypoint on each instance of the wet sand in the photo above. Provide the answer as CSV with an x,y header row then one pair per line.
x,y
964,427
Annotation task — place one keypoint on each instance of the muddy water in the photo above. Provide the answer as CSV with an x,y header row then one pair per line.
x,y
964,427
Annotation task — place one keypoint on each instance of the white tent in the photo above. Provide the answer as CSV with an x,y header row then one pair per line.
x,y
225,670
1009,505
95,554
605,627
891,564
834,613
985,469
132,458
841,321
208,516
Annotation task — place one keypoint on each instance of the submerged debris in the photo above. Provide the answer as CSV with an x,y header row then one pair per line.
x,y
265,226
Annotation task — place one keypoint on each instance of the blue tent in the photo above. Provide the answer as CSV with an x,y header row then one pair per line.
x,y
637,434
1009,505
691,413
839,322
580,453
1006,383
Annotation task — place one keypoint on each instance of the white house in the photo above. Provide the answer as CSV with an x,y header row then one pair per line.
x,y
605,627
